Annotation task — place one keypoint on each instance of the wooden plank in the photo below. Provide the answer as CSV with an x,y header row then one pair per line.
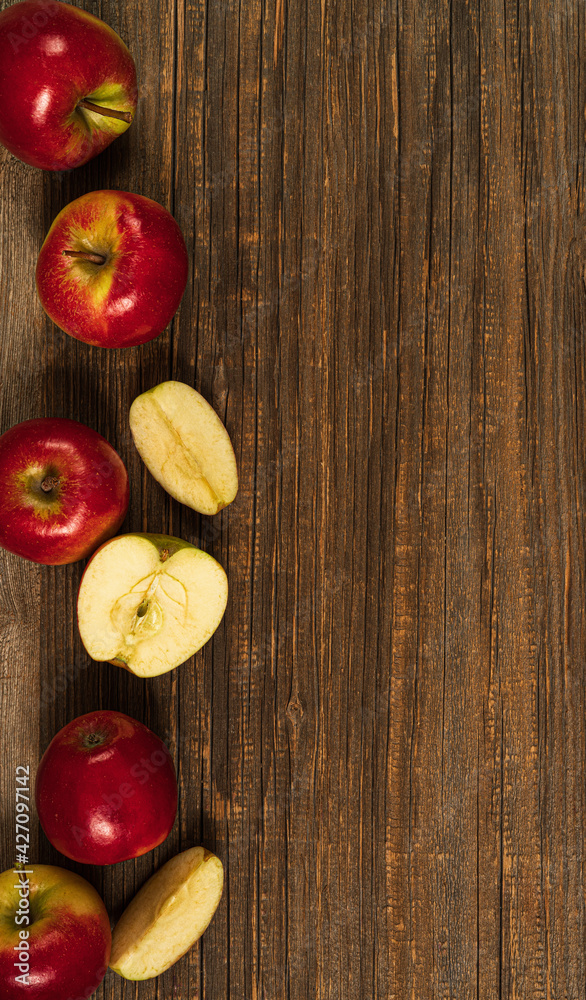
x,y
22,372
385,740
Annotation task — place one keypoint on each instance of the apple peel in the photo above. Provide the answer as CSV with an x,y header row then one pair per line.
x,y
185,446
168,915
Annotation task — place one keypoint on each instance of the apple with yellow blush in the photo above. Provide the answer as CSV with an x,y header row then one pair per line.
x,y
64,490
67,84
112,269
55,937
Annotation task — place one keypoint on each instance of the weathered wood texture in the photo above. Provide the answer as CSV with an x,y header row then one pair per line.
x,y
385,740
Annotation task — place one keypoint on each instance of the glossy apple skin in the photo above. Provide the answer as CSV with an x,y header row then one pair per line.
x,y
69,936
52,56
130,298
85,507
106,789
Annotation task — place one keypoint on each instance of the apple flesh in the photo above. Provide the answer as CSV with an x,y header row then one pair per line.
x,y
64,490
149,602
67,84
185,446
168,915
112,269
55,935
106,789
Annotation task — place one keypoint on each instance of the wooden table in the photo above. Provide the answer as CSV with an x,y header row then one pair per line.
x,y
385,740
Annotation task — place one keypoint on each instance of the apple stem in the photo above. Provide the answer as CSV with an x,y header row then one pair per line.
x,y
49,484
93,258
123,116
164,555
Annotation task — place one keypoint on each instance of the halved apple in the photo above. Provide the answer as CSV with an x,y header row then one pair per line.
x,y
185,446
149,602
168,915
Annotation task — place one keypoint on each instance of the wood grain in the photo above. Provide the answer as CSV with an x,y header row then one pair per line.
x,y
385,740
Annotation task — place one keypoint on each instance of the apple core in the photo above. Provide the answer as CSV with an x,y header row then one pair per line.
x,y
149,602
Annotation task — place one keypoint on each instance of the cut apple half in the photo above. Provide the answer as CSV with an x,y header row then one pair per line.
x,y
185,446
168,915
149,602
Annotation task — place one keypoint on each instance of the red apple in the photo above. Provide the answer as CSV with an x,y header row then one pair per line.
x,y
64,490
55,937
106,789
112,269
67,84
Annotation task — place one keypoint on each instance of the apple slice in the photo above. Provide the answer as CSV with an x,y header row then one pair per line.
x,y
185,446
168,915
149,602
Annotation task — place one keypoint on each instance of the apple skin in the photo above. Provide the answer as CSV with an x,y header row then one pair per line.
x,y
106,789
168,915
131,297
69,936
52,56
85,507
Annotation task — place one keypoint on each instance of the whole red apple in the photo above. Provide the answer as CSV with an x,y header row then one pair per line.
x,y
67,84
64,490
106,789
55,936
112,269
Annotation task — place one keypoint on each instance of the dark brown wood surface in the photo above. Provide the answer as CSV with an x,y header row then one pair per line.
x,y
385,740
